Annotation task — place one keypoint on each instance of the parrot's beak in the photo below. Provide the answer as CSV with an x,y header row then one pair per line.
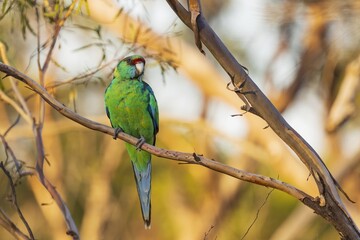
x,y
139,68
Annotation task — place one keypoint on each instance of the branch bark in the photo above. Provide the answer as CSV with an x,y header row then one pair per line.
x,y
190,158
330,205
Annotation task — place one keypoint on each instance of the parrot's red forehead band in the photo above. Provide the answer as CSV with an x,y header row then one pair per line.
x,y
138,60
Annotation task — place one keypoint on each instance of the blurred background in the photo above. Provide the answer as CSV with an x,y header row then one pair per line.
x,y
305,56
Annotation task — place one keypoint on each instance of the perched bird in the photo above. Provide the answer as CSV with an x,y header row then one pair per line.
x,y
132,108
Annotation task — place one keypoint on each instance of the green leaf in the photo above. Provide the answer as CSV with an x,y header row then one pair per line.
x,y
118,13
57,64
89,45
5,12
4,6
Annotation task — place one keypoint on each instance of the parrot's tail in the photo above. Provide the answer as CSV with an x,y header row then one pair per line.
x,y
143,184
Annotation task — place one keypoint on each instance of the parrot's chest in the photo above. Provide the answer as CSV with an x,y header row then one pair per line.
x,y
128,105
133,99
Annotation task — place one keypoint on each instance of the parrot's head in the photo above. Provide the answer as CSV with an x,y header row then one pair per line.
x,y
131,67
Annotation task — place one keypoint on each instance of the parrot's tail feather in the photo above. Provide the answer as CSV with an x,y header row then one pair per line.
x,y
143,184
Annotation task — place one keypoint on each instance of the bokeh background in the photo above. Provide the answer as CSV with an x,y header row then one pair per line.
x,y
305,55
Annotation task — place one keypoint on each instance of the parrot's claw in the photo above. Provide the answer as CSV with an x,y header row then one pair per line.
x,y
117,131
140,142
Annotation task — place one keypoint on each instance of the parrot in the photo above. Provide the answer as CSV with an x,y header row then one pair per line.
x,y
132,108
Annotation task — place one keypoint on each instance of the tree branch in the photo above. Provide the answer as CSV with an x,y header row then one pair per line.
x,y
14,201
11,227
37,127
190,158
331,204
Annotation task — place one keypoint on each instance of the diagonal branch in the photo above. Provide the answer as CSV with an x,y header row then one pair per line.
x,y
190,158
334,210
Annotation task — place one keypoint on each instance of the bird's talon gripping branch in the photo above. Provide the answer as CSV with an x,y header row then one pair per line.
x,y
117,131
140,142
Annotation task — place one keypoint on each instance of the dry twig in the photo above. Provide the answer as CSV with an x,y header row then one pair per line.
x,y
14,200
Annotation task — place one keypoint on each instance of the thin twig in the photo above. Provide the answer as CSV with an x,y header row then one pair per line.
x,y
11,227
72,229
14,200
8,150
18,95
81,76
37,127
59,24
257,214
42,71
12,125
38,39
207,233
16,106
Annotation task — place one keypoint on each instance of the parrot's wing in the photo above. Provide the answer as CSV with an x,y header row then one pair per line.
x,y
154,112
107,112
108,115
106,107
153,109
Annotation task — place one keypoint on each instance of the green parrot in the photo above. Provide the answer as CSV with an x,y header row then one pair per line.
x,y
132,108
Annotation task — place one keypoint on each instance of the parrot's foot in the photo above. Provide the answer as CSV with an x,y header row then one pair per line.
x,y
140,142
117,131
